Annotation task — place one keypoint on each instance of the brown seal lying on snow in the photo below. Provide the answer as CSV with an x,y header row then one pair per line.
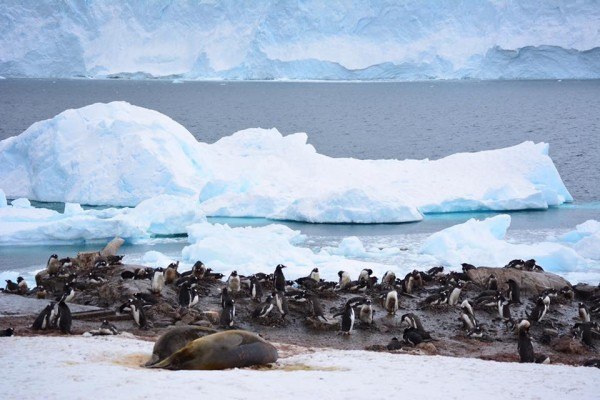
x,y
175,339
222,350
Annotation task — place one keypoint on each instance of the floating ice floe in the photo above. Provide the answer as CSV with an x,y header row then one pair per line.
x,y
119,154
483,243
585,239
21,224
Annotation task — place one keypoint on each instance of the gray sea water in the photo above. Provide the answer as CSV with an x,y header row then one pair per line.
x,y
362,120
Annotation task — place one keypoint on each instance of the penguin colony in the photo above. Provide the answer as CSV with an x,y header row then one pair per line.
x,y
497,311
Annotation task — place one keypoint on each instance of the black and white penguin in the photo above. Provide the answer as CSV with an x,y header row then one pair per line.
x,y
389,280
492,283
23,288
315,275
264,309
542,359
391,302
11,287
412,336
434,272
185,295
585,331
504,312
366,312
514,291
467,316
138,314
315,306
475,333
256,291
144,297
158,280
228,314
524,346
68,293
95,279
107,329
279,278
413,321
64,318
516,264
454,294
365,275
347,322
281,302
467,267
40,292
224,296
171,273
53,265
100,263
234,283
344,281
7,332
394,344
194,296
541,308
436,299
584,313
408,283
44,318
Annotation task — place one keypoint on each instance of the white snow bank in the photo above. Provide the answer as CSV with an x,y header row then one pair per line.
x,y
161,215
120,154
482,243
113,362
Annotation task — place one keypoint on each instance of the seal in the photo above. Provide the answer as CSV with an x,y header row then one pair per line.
x,y
175,339
222,350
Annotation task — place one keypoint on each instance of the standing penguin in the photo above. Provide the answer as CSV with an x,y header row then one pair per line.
x,y
256,291
234,283
366,312
492,283
389,280
224,296
263,309
171,273
65,319
185,295
347,323
365,275
43,319
23,289
228,314
391,302
138,314
344,281
454,294
514,291
467,316
541,308
504,312
282,303
68,293
316,309
40,292
158,280
279,278
314,275
524,346
584,313
53,265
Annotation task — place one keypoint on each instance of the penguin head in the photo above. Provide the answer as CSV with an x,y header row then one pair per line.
x,y
315,270
279,267
234,273
523,325
20,279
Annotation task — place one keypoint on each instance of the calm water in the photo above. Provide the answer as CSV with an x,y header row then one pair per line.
x,y
361,120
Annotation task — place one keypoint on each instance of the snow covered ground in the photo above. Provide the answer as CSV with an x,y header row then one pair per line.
x,y
79,367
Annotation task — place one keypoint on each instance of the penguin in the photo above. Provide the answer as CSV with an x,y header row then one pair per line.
x,y
53,265
158,280
436,299
391,302
531,265
228,314
264,309
145,297
95,279
408,283
100,263
279,278
584,331
138,314
454,294
64,320
514,291
185,295
567,293
475,332
365,275
107,329
524,346
43,319
11,287
171,273
504,312
594,362
234,283
7,332
492,283
23,289
394,344
40,292
199,269
516,264
434,272
281,302
366,312
584,313
413,321
412,336
256,291
194,297
344,281
127,275
315,307
68,293
418,279
315,275
542,359
389,280
467,316
347,322
541,308
114,260
467,267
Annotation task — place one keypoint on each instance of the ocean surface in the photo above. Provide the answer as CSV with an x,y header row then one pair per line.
x,y
361,120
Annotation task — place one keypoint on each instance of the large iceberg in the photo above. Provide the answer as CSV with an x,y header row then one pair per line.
x,y
119,154
363,40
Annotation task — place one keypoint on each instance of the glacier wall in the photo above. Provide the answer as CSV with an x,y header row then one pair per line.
x,y
346,40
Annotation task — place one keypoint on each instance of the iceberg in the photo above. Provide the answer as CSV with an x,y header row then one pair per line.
x,y
483,243
21,224
314,40
118,154
585,239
